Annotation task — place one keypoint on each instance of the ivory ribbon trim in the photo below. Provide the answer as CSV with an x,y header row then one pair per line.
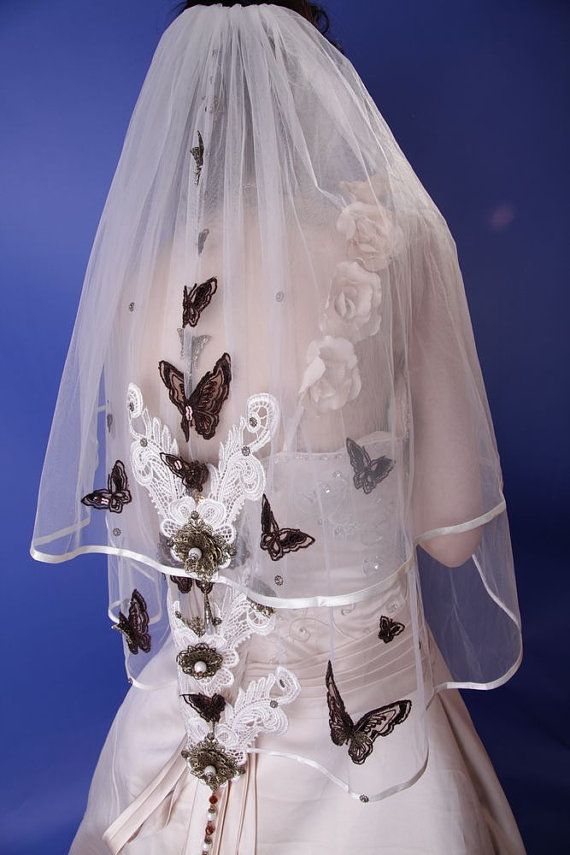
x,y
128,823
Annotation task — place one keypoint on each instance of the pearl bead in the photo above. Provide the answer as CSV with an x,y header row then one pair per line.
x,y
206,847
194,554
209,771
200,667
212,815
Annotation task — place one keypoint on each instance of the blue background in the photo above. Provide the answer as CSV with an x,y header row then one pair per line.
x,y
474,92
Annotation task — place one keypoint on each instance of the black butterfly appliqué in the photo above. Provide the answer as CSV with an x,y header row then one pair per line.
x,y
368,473
362,735
115,496
193,474
210,709
389,629
183,583
202,240
198,155
278,541
202,408
196,299
135,626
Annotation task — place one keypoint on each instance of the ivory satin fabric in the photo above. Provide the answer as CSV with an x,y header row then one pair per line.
x,y
143,800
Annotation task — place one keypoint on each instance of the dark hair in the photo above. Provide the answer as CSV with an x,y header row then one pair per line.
x,y
313,12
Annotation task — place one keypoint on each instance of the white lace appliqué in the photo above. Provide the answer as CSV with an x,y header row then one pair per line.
x,y
219,733
238,476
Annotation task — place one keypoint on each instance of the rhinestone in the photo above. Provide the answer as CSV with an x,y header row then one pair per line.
x,y
372,565
364,799
280,296
131,407
279,580
246,451
144,442
131,307
273,704
253,422
116,532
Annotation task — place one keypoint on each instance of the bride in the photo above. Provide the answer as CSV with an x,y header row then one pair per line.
x,y
273,422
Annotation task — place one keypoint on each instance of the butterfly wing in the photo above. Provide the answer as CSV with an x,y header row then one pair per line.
x,y
269,531
118,487
202,240
389,629
378,469
138,623
193,474
198,155
359,460
293,539
100,499
196,300
173,379
210,709
340,723
279,541
378,722
183,583
207,399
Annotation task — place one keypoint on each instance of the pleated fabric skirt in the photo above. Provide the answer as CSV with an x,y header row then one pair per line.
x,y
144,801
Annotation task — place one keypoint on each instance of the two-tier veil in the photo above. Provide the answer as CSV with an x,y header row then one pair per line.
x,y
272,397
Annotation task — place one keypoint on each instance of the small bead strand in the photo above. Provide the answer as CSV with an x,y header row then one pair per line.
x,y
210,826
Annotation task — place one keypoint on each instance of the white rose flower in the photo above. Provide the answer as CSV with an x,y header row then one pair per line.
x,y
331,378
352,309
375,189
373,236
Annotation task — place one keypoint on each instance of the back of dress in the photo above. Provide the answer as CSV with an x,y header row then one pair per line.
x,y
273,396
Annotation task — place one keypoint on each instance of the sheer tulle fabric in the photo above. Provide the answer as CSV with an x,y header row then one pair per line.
x,y
256,157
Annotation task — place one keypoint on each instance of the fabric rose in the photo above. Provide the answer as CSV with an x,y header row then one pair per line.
x,y
373,236
331,378
375,189
353,306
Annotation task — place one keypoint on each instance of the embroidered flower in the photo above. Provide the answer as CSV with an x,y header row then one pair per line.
x,y
353,306
373,236
331,378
